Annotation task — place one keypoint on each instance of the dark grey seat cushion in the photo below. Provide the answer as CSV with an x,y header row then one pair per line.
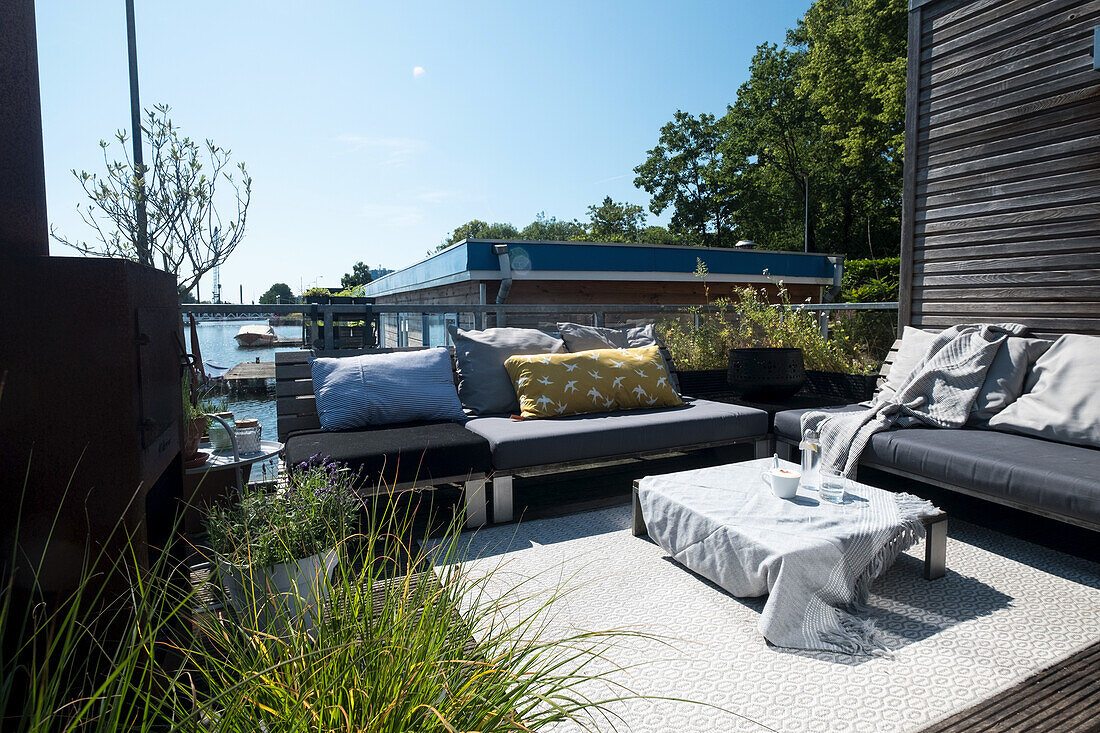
x,y
788,424
421,451
1035,473
524,443
1038,473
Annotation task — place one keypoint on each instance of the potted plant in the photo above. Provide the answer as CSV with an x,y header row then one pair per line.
x,y
194,423
767,361
277,548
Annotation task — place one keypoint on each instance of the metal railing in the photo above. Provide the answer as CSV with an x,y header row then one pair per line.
x,y
329,327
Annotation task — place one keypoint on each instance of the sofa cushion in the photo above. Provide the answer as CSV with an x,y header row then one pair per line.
x,y
911,353
1061,478
788,424
601,380
1061,399
380,389
1004,382
578,337
523,443
1035,473
483,384
397,453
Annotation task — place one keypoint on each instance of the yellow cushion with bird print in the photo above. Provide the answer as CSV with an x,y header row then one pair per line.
x,y
602,380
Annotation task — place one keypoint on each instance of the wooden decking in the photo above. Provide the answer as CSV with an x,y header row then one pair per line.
x,y
1063,697
251,370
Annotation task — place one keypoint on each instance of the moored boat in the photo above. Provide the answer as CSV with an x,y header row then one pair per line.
x,y
255,336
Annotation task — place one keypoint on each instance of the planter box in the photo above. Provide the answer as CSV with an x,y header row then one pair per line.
x,y
699,382
846,387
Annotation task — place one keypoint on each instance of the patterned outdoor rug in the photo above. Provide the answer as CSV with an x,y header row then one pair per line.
x,y
1005,609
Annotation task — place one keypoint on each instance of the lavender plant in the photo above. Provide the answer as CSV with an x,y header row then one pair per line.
x,y
270,526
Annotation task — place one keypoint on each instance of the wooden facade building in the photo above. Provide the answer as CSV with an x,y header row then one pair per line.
x,y
1001,212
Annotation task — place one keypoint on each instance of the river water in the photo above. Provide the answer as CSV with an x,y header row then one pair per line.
x,y
218,346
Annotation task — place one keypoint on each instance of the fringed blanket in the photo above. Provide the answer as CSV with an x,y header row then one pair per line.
x,y
940,393
815,560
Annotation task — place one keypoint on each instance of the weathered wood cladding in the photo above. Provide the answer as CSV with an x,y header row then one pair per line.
x,y
1001,213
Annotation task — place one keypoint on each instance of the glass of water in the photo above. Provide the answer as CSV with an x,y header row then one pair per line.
x,y
831,486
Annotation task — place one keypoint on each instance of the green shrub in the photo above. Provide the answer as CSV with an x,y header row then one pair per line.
x,y
399,651
268,526
749,320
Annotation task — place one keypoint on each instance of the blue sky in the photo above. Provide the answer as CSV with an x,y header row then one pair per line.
x,y
516,108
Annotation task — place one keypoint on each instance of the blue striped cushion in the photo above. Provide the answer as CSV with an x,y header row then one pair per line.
x,y
379,389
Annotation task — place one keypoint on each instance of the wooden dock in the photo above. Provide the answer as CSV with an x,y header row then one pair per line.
x,y
251,370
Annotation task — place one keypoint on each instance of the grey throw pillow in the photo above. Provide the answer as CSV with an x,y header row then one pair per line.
x,y
587,338
1061,399
1004,382
483,383
380,389
911,353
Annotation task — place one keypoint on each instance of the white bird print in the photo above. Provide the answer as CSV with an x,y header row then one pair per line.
x,y
593,355
541,402
636,355
651,400
641,374
608,403
617,364
662,382
570,386
594,394
639,392
594,375
561,408
545,359
523,380
545,380
570,367
618,382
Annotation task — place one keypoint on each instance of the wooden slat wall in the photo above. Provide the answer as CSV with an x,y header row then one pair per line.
x,y
1001,214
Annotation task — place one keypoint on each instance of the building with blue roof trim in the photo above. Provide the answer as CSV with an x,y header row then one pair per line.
x,y
494,271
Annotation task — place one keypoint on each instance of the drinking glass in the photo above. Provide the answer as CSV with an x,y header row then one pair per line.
x,y
832,486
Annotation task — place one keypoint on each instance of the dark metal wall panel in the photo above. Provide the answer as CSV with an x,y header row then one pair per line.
x,y
1001,213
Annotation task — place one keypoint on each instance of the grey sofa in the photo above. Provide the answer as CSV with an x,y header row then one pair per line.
x,y
486,453
1054,479
571,441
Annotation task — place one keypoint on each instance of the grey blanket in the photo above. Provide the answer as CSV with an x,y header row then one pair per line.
x,y
814,560
940,393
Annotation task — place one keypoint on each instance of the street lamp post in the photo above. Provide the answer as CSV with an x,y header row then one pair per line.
x,y
142,243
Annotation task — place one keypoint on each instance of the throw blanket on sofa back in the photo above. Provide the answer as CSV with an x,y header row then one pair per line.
x,y
940,392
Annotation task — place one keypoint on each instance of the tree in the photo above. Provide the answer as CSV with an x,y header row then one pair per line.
x,y
549,229
187,234
359,275
684,171
855,74
771,149
614,222
477,229
314,292
277,293
659,235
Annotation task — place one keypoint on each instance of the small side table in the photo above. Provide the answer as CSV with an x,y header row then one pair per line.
x,y
210,481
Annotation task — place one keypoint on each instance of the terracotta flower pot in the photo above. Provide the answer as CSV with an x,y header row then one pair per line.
x,y
192,434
